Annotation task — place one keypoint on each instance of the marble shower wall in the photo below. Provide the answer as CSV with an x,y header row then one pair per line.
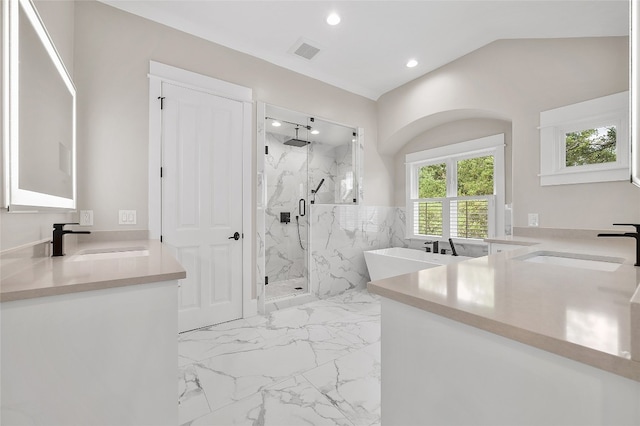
x,y
339,236
322,165
334,164
344,174
285,170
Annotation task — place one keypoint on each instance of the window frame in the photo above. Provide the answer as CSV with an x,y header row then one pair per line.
x,y
612,110
450,155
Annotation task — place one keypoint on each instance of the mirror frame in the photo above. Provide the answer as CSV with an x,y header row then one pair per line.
x,y
15,197
635,87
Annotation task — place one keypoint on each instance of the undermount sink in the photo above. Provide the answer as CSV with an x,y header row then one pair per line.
x,y
573,260
110,253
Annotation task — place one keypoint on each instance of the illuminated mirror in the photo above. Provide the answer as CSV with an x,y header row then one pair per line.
x,y
635,82
39,115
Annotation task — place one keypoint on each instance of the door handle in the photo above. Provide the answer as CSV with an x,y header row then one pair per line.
x,y
302,207
235,236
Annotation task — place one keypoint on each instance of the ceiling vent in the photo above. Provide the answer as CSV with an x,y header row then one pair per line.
x,y
304,49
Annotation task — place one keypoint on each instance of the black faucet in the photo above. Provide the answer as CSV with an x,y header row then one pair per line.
x,y
435,246
58,233
635,235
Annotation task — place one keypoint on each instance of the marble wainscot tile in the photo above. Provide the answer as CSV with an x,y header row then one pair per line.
x,y
339,236
352,384
398,228
292,402
338,270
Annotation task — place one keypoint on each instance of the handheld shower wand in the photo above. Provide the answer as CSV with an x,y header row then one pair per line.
x,y
319,185
314,191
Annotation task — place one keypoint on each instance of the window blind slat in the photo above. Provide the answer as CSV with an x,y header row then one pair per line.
x,y
468,217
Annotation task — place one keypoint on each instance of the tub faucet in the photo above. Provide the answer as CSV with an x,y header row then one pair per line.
x,y
58,234
635,235
435,246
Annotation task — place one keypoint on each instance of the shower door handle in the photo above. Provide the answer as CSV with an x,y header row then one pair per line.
x,y
302,207
235,236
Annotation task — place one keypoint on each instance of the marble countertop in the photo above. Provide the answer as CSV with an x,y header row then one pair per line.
x,y
49,276
586,315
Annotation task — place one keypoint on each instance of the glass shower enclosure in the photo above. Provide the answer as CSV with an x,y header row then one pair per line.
x,y
307,161
287,143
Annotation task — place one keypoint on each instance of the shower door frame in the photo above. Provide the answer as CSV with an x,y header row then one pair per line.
x,y
261,200
261,204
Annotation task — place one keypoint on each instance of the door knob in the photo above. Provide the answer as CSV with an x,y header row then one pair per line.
x,y
236,236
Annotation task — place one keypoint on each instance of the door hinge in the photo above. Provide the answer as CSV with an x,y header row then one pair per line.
x,y
160,171
266,280
243,235
161,101
160,238
266,150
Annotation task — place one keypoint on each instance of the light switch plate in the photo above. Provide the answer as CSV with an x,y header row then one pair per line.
x,y
127,217
86,217
533,219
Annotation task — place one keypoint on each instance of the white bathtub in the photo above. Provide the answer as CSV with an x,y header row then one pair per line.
x,y
389,262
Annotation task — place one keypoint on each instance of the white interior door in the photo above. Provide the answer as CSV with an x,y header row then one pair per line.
x,y
202,202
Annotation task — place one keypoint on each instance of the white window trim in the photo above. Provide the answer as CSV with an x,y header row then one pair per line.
x,y
555,123
490,145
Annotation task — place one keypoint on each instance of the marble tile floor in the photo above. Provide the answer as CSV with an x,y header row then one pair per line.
x,y
285,288
313,364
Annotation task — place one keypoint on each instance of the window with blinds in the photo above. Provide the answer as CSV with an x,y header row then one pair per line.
x,y
454,217
455,196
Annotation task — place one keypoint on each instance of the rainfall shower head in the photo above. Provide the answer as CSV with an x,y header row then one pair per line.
x,y
297,142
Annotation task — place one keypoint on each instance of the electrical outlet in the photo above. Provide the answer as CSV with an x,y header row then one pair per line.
x,y
127,217
533,219
86,217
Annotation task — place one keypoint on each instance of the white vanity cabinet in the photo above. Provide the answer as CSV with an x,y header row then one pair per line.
x,y
439,371
99,357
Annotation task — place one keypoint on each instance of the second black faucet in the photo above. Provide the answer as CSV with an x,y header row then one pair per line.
x,y
58,233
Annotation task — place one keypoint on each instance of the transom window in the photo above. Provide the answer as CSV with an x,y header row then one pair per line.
x,y
590,146
453,191
585,142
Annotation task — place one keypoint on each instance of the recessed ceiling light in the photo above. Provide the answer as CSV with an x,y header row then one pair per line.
x,y
333,19
412,63
276,123
315,132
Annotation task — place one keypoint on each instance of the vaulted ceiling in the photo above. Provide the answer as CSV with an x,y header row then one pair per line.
x,y
367,52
